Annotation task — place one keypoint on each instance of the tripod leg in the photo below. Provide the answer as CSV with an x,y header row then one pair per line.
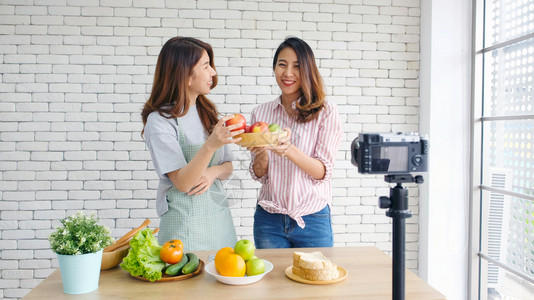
x,y
399,212
398,258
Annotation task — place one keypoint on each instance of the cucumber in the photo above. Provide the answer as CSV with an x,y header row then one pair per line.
x,y
192,265
175,269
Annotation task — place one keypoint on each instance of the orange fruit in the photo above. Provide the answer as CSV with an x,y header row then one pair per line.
x,y
220,254
232,265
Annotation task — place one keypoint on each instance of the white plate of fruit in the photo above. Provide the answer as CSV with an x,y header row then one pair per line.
x,y
238,266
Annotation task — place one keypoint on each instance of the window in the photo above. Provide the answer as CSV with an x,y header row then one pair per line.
x,y
504,133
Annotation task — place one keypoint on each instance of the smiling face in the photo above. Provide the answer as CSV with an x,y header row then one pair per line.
x,y
201,79
287,73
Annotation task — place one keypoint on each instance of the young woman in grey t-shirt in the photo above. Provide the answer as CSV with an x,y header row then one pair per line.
x,y
188,144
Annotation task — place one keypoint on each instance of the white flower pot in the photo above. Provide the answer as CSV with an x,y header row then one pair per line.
x,y
80,273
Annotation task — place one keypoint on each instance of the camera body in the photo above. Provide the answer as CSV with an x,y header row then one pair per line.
x,y
390,153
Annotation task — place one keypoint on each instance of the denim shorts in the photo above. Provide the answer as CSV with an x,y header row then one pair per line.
x,y
281,231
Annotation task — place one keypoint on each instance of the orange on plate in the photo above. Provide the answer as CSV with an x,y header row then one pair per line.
x,y
232,265
221,254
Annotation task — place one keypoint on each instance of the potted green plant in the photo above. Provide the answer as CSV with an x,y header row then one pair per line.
x,y
78,244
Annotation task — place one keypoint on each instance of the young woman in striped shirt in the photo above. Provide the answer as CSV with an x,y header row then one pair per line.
x,y
296,194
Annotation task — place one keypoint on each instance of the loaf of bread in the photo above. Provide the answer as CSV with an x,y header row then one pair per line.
x,y
314,266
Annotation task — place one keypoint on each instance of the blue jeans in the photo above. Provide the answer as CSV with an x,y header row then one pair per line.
x,y
280,231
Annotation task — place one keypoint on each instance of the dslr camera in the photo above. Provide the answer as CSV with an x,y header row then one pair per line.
x,y
390,153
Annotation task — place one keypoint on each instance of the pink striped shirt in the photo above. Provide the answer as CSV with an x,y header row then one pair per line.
x,y
286,189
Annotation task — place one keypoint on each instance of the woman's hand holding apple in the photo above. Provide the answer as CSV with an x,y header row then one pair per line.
x,y
223,134
237,119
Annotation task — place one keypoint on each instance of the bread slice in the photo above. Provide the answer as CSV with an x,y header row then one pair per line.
x,y
316,274
314,266
312,260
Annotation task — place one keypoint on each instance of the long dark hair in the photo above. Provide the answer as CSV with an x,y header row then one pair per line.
x,y
312,87
174,67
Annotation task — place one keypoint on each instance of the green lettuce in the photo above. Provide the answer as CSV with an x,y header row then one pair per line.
x,y
143,258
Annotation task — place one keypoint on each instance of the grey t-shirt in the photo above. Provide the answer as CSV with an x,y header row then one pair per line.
x,y
162,138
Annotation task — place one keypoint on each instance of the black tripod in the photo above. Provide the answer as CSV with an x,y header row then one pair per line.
x,y
397,202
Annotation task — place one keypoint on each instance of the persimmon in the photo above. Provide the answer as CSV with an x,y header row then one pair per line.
x,y
172,251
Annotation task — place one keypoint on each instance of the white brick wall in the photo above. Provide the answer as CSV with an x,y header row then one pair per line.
x,y
75,74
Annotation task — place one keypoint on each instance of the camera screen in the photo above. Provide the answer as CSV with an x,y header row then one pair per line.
x,y
389,159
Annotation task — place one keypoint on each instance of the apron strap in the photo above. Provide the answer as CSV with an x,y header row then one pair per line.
x,y
181,134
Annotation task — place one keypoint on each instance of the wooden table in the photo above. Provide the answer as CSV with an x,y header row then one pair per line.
x,y
368,268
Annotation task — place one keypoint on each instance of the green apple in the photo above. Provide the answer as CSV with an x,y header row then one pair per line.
x,y
255,266
245,249
274,128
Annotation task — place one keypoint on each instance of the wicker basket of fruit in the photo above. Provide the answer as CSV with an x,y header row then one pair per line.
x,y
260,139
259,134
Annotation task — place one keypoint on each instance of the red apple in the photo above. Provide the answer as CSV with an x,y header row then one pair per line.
x,y
247,129
259,127
238,118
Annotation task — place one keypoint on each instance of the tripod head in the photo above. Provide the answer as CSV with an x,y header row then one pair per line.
x,y
400,178
398,196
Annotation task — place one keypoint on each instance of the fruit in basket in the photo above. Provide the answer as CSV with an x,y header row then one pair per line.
x,y
274,128
245,248
232,265
255,266
259,127
172,251
238,118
